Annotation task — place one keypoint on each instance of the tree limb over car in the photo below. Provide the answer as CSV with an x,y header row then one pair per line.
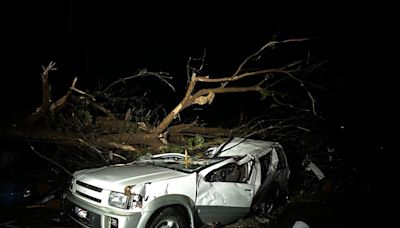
x,y
94,116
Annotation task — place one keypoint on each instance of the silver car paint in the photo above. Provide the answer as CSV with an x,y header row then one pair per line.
x,y
162,187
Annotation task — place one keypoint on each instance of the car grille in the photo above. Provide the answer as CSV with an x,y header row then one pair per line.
x,y
88,186
94,188
87,196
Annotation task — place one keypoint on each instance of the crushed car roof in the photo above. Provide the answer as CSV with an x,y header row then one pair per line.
x,y
234,147
239,147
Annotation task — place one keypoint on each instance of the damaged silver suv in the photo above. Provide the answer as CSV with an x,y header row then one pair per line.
x,y
175,190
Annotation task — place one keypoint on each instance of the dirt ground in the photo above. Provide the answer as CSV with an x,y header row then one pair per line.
x,y
328,210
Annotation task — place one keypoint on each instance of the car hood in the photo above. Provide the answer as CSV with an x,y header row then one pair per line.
x,y
116,177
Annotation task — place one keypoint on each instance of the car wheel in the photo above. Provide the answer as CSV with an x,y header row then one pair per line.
x,y
169,218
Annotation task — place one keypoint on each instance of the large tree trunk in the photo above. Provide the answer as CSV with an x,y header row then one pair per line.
x,y
110,133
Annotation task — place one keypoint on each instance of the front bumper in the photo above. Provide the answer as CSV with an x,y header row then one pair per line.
x,y
88,215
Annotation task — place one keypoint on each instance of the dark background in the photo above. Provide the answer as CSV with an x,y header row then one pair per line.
x,y
104,41
100,42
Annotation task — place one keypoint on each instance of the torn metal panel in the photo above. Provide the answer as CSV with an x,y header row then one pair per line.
x,y
273,163
205,171
256,178
217,187
184,186
223,202
239,147
246,159
225,194
311,166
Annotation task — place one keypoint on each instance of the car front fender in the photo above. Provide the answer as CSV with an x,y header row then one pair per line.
x,y
165,201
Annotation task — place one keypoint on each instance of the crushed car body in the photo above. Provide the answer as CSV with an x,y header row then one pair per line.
x,y
175,190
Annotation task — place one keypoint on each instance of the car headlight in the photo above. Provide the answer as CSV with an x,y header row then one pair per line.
x,y
117,199
121,200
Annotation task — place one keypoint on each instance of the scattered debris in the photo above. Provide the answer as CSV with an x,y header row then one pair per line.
x,y
311,166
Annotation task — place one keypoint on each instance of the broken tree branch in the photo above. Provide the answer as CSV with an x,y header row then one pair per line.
x,y
268,45
46,158
63,100
206,96
96,116
46,96
47,106
143,73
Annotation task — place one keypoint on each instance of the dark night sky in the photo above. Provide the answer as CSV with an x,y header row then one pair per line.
x,y
103,41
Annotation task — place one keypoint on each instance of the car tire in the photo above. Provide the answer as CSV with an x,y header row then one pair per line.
x,y
169,218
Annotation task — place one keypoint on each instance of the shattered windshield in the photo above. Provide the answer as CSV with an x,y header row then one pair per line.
x,y
179,163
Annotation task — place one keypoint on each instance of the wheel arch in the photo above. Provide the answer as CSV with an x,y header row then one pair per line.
x,y
181,203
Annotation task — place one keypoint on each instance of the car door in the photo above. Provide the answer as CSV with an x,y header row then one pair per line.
x,y
225,190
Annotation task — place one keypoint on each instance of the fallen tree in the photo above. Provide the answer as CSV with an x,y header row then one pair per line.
x,y
92,119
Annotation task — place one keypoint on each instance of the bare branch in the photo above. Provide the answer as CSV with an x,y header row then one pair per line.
x,y
49,68
83,93
99,152
269,44
143,73
104,110
206,96
46,158
190,69
123,147
63,100
46,97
